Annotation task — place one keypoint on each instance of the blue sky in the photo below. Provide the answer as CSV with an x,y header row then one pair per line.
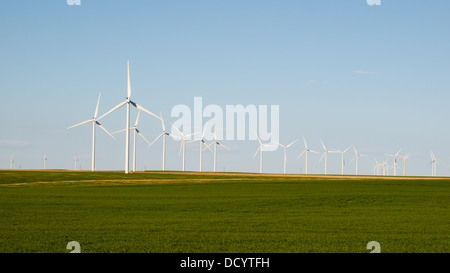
x,y
341,71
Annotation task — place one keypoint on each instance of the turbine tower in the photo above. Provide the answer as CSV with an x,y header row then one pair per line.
x,y
357,155
128,102
95,123
306,151
11,161
285,152
163,135
395,161
136,132
45,159
405,157
342,154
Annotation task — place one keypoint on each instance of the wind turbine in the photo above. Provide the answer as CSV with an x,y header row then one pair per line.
x,y
128,102
11,161
76,160
136,132
395,161
183,143
306,151
433,164
95,123
45,159
260,149
216,144
202,142
163,135
285,152
325,154
342,154
357,155
405,157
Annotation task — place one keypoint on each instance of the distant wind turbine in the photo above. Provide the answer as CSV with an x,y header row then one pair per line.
x,y
405,157
95,123
76,160
325,154
163,135
202,142
285,152
395,161
260,149
342,154
433,164
306,151
183,144
45,159
357,155
216,144
11,161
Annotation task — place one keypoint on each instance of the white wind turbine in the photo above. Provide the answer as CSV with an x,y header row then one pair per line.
x,y
306,151
183,143
11,161
395,161
405,157
45,159
325,154
342,155
216,144
357,155
76,160
163,135
128,102
433,164
95,123
260,149
202,142
136,132
285,152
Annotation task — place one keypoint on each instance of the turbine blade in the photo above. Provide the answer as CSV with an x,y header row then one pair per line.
x,y
103,128
145,110
112,110
123,130
162,122
156,139
128,80
81,123
226,147
301,154
96,108
257,151
292,143
143,137
177,129
137,119
304,140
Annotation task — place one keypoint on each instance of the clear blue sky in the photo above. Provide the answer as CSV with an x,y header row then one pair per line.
x,y
341,71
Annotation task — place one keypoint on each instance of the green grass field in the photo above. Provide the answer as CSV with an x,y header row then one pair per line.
x,y
177,212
